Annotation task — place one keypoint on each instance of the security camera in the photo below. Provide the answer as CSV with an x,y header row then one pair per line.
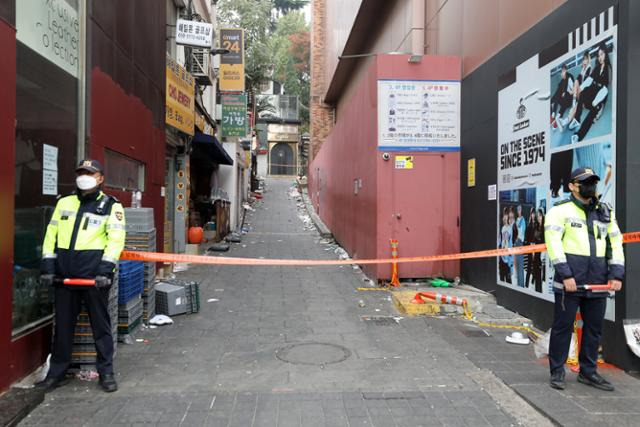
x,y
385,156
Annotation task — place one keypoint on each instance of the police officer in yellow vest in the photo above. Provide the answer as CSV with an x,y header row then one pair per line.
x,y
584,244
83,240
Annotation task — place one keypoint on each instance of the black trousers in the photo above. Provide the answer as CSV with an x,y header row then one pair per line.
x,y
67,304
592,311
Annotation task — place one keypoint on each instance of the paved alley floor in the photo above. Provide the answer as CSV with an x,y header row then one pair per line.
x,y
285,346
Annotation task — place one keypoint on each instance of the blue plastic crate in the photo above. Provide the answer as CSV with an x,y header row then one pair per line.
x,y
130,286
130,266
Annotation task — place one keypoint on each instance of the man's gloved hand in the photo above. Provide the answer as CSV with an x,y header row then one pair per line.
x,y
102,282
47,279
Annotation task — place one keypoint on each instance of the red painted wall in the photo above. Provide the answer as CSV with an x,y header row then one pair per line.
x,y
122,123
427,198
19,357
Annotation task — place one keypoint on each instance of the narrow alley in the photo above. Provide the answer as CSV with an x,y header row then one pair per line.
x,y
278,346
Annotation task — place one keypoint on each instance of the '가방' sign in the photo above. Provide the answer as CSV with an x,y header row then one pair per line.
x,y
417,115
180,104
194,33
234,115
232,63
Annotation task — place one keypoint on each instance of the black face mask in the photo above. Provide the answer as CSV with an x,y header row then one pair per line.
x,y
588,189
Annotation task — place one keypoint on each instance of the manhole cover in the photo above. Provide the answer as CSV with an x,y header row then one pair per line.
x,y
313,353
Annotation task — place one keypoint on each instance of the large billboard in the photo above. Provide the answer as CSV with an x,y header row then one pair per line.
x,y
557,112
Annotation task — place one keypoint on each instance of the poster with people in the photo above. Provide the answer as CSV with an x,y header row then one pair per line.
x,y
556,113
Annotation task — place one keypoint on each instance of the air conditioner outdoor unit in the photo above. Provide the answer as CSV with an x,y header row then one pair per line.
x,y
199,63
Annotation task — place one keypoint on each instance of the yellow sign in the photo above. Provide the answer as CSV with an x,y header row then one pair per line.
x,y
232,63
471,173
203,125
404,162
180,101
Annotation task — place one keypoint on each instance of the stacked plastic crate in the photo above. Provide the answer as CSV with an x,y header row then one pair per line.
x,y
141,236
191,294
131,282
84,354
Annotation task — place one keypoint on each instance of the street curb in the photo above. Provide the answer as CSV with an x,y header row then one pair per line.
x,y
322,228
17,403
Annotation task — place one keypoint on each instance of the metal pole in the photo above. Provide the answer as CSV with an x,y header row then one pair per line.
x,y
82,81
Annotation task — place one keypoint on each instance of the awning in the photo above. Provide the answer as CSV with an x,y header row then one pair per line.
x,y
210,147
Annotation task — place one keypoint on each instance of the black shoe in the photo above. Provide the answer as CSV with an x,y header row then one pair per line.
x,y
51,383
557,380
108,383
596,381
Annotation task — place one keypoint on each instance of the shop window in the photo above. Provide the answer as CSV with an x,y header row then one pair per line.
x,y
47,87
123,172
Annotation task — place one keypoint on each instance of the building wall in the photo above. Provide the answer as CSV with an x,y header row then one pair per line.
x,y
20,356
479,141
475,30
472,30
127,86
389,203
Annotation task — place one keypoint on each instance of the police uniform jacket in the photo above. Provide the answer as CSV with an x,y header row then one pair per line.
x,y
584,243
84,237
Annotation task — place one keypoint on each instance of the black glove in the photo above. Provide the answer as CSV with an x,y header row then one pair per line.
x,y
102,282
47,279
105,268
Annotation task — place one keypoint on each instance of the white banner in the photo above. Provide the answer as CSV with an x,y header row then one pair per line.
x,y
416,115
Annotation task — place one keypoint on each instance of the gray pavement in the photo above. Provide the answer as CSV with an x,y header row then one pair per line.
x,y
288,346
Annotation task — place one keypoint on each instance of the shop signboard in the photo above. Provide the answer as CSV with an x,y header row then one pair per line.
x,y
232,63
180,104
52,29
194,33
203,124
418,115
234,115
556,115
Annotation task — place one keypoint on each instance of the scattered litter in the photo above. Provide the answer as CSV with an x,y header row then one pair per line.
x,y
361,304
219,290
248,207
213,300
139,340
87,375
377,309
161,319
517,338
153,327
180,266
36,376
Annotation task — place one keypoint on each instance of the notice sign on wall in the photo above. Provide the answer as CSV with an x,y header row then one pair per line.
x,y
418,115
557,115
180,104
234,115
232,63
404,162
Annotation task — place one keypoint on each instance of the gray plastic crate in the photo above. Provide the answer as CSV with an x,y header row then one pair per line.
x,y
170,299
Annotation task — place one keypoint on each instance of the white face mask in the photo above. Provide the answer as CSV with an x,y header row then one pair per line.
x,y
86,182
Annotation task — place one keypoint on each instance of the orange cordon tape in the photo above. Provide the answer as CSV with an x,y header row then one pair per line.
x,y
200,259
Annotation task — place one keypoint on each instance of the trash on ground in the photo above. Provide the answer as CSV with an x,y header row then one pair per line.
x,y
517,338
87,375
213,300
178,267
161,319
139,340
440,283
361,303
